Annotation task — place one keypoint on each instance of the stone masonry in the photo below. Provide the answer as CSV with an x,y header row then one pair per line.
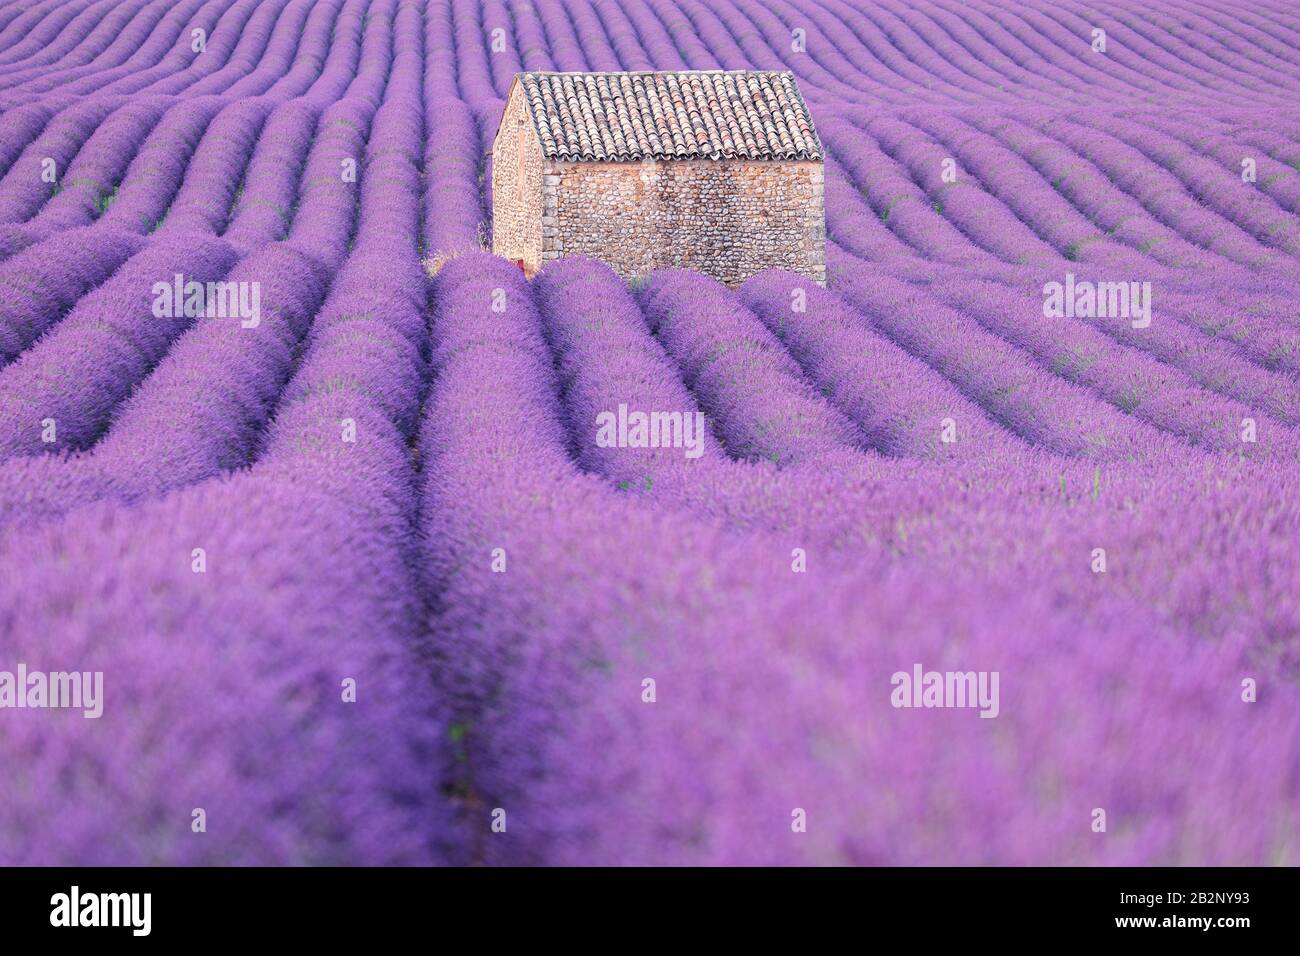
x,y
725,218
517,171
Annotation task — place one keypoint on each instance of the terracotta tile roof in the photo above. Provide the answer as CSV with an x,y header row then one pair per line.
x,y
687,114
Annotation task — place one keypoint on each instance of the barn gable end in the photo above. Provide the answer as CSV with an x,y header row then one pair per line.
x,y
517,170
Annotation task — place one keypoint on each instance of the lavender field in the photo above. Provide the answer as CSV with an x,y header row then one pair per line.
x,y
368,583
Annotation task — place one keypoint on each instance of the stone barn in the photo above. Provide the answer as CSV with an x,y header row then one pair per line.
x,y
712,170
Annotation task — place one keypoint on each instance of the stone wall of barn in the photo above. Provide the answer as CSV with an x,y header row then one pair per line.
x,y
517,169
726,218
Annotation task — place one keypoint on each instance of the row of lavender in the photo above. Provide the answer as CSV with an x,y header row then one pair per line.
x,y
723,689
1117,204
367,587
726,692
276,706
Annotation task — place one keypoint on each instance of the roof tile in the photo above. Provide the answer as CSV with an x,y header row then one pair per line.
x,y
681,114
